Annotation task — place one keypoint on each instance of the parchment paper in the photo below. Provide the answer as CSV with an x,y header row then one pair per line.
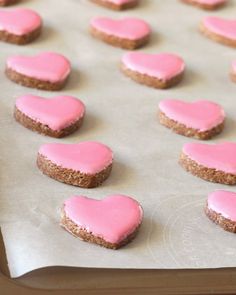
x,y
123,115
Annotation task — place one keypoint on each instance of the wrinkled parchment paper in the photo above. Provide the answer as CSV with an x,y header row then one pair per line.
x,y
123,115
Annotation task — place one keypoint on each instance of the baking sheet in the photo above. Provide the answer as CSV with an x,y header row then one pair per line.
x,y
122,114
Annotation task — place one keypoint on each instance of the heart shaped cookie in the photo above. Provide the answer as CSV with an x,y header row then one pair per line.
x,y
47,70
86,164
155,70
116,4
19,26
55,117
215,163
111,222
206,4
221,208
128,33
220,30
8,2
201,119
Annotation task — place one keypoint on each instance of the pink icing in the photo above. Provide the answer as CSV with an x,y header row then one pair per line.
x,y
87,157
162,66
220,26
220,156
129,28
118,2
202,115
19,21
113,218
224,203
57,113
210,2
46,66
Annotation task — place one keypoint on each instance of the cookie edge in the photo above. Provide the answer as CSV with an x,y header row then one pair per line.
x,y
118,41
216,37
70,176
31,82
182,129
117,7
204,5
44,129
81,233
219,219
151,81
208,174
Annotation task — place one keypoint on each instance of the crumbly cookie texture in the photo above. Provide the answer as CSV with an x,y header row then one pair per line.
x,y
46,71
112,222
117,5
56,117
8,2
220,208
19,26
212,162
205,4
155,70
201,119
220,30
87,164
128,33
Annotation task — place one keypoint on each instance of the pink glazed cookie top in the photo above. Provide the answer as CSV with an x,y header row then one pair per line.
x,y
224,203
57,113
221,157
210,2
87,157
19,21
161,66
220,26
128,28
46,66
118,2
113,218
201,115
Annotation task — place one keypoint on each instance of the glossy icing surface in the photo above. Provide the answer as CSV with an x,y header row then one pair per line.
x,y
113,218
118,2
57,113
210,2
201,115
221,26
224,203
19,21
128,28
46,66
220,156
88,157
162,66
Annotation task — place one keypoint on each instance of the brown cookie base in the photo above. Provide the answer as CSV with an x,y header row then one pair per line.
x,y
44,129
70,176
81,233
20,40
204,5
113,6
189,132
33,82
225,223
216,37
151,81
8,2
209,174
119,42
233,76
